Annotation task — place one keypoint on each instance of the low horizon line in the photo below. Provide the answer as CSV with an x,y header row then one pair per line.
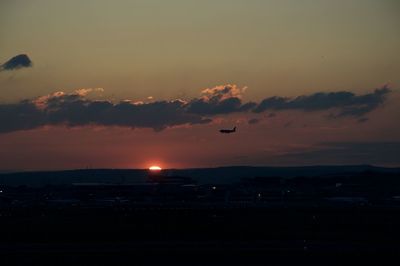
x,y
198,168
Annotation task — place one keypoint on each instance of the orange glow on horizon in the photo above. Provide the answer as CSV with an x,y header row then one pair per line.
x,y
155,168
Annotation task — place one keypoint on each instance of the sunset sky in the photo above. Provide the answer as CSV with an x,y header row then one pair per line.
x,y
129,84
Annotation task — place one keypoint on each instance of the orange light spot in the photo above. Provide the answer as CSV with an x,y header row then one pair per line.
x,y
155,168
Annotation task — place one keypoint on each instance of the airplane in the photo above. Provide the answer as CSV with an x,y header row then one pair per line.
x,y
228,131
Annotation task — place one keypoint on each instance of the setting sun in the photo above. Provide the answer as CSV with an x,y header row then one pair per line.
x,y
155,168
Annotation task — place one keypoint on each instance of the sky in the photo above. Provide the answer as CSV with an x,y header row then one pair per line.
x,y
129,84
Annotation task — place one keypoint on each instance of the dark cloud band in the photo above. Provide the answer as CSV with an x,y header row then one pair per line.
x,y
347,103
76,110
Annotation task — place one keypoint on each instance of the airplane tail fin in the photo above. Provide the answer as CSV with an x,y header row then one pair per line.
x,y
234,129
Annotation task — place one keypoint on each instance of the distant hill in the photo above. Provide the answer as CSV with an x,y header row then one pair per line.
x,y
219,175
235,173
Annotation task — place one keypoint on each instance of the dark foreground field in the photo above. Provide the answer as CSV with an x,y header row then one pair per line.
x,y
348,218
201,236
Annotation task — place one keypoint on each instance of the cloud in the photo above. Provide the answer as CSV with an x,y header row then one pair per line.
x,y
76,109
220,100
346,103
20,116
17,62
223,92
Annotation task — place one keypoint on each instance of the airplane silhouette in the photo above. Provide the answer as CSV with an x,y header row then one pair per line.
x,y
228,131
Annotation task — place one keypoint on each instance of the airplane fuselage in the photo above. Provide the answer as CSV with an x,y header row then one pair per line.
x,y
228,131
